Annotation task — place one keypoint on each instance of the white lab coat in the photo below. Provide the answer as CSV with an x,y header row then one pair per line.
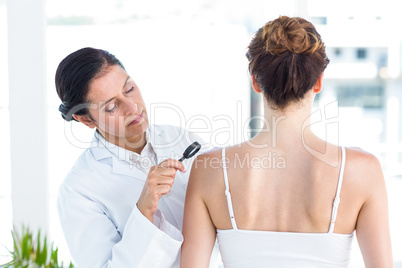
x,y
98,213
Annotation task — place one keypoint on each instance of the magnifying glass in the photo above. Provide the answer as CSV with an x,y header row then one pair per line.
x,y
190,151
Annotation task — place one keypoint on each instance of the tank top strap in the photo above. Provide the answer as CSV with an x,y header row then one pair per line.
x,y
227,193
337,200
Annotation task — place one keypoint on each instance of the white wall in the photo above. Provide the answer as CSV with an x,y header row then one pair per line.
x,y
28,106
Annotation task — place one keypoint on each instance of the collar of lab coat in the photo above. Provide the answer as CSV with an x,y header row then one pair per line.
x,y
102,149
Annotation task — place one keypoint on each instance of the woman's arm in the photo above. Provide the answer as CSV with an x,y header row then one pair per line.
x,y
94,240
198,230
93,236
372,227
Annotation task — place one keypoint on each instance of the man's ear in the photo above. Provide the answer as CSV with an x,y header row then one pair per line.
x,y
255,85
318,85
85,119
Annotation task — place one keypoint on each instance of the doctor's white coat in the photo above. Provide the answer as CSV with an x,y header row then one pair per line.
x,y
97,206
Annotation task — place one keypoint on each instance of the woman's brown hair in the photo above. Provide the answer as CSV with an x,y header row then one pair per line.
x,y
286,57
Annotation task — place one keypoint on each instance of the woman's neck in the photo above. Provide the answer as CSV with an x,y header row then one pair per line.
x,y
286,128
134,143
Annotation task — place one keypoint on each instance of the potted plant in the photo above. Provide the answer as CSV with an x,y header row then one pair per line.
x,y
31,253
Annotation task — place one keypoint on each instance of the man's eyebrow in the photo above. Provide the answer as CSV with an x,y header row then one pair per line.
x,y
106,102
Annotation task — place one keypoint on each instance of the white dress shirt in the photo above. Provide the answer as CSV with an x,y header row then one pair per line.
x,y
97,203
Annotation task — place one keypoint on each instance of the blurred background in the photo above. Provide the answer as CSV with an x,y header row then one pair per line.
x,y
188,59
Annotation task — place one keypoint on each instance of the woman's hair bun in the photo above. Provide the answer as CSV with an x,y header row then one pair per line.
x,y
286,57
65,111
290,34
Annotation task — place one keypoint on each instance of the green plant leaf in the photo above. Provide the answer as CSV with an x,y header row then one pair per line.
x,y
16,242
32,254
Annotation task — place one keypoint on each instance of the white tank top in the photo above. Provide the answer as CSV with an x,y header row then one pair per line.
x,y
250,248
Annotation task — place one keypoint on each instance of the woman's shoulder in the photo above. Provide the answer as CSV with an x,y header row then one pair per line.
x,y
214,160
361,160
207,169
363,170
89,164
209,160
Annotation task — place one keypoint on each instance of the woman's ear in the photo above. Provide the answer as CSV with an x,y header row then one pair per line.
x,y
255,85
318,84
85,119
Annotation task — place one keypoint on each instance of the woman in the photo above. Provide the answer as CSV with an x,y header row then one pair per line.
x,y
304,211
113,204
